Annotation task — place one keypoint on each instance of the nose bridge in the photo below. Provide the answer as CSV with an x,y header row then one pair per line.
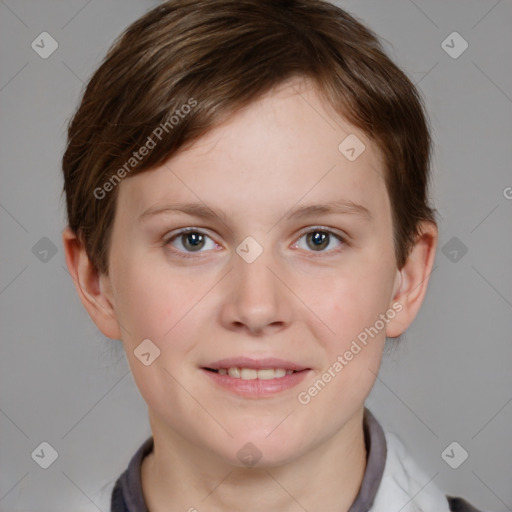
x,y
254,280
256,299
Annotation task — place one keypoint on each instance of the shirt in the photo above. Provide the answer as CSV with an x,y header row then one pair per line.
x,y
391,480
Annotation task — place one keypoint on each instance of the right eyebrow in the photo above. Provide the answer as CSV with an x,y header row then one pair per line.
x,y
194,209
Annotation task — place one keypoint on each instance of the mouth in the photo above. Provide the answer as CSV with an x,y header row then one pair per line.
x,y
255,378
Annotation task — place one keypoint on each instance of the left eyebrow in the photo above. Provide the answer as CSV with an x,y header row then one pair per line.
x,y
344,207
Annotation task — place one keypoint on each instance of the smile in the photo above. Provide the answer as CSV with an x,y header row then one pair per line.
x,y
251,383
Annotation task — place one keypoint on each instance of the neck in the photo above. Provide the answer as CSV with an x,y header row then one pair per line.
x,y
180,476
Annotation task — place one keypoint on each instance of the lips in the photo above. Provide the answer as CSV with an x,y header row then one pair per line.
x,y
255,378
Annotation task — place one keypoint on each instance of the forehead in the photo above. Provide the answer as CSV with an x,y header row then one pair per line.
x,y
288,147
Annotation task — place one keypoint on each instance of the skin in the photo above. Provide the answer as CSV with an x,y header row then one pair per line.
x,y
295,301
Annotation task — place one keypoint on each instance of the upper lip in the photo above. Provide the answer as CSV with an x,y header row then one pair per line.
x,y
257,364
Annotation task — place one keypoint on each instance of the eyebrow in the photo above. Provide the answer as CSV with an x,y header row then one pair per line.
x,y
341,206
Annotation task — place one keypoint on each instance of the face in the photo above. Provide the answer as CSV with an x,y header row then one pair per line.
x,y
293,272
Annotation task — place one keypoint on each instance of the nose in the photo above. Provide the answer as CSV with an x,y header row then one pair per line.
x,y
256,300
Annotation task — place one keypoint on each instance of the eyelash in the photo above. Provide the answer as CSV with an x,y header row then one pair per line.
x,y
184,254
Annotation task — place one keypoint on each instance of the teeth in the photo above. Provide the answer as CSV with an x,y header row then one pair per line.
x,y
234,372
251,373
248,374
271,374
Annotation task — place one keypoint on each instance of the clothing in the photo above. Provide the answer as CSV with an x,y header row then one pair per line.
x,y
392,481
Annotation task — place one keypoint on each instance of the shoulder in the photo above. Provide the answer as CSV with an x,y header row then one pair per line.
x,y
127,493
403,480
117,500
458,504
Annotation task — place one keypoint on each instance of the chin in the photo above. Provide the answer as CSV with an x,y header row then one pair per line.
x,y
263,447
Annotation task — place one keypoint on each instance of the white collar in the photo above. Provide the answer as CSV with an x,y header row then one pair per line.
x,y
405,487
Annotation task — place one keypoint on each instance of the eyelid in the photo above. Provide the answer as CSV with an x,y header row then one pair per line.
x,y
173,235
327,229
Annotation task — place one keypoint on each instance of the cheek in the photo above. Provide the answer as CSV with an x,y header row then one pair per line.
x,y
352,303
165,308
143,306
148,300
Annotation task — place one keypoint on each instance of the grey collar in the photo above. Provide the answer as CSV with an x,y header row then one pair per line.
x,y
127,493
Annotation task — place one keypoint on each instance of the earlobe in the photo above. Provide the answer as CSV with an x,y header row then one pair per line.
x,y
93,289
413,278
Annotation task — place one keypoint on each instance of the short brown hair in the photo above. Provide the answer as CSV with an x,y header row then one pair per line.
x,y
219,55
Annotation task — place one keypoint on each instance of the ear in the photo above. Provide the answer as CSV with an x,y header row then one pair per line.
x,y
412,280
93,289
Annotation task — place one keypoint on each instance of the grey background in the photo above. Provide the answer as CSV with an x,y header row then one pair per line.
x,y
63,382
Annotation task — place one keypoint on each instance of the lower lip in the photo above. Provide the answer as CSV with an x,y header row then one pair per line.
x,y
257,388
